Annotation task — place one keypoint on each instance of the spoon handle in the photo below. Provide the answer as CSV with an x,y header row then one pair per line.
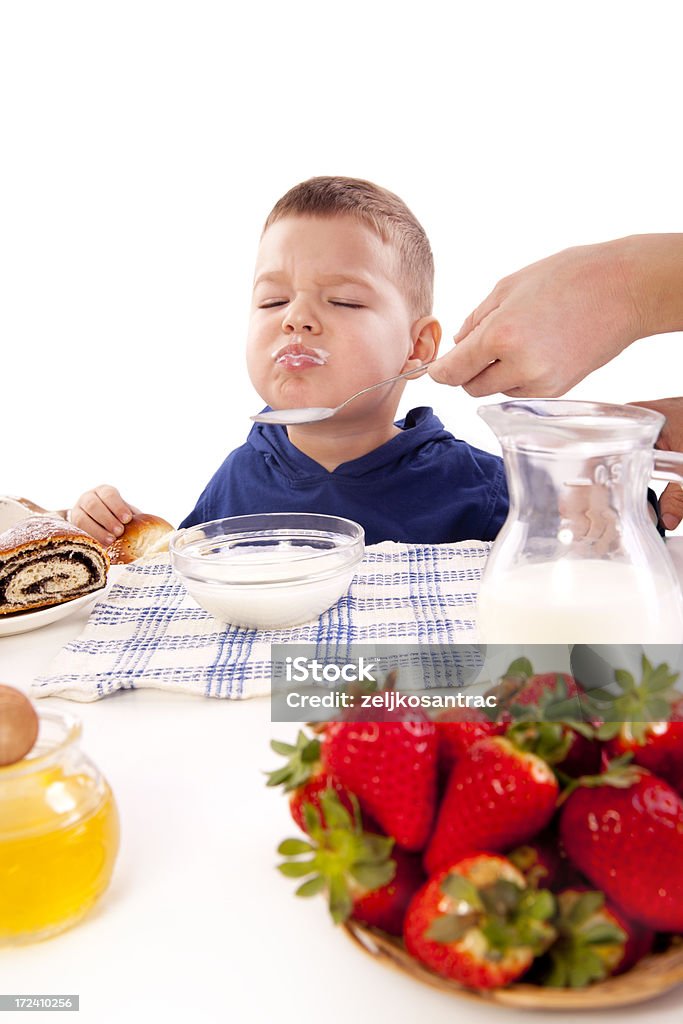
x,y
389,380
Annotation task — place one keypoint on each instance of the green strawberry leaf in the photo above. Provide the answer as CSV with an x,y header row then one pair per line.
x,y
584,729
520,667
538,904
339,902
625,680
285,749
450,927
279,776
599,694
371,876
608,730
647,701
312,887
502,898
461,890
334,812
657,710
556,975
296,868
377,847
312,820
499,936
311,751
301,761
587,904
588,969
604,934
292,847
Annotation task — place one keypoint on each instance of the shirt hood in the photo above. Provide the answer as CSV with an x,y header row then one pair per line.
x,y
420,428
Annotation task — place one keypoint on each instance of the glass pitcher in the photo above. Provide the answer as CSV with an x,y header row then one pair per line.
x,y
578,559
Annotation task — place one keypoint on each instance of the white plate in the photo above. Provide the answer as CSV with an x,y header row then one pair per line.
x,y
11,512
25,621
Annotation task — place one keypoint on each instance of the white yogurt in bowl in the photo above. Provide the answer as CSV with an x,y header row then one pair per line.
x,y
269,571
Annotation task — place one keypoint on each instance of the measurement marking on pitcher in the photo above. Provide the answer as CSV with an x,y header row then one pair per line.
x,y
604,475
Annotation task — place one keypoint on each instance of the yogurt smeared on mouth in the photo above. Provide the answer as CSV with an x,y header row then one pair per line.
x,y
295,356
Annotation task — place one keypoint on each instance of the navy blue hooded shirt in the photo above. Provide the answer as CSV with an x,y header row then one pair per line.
x,y
423,486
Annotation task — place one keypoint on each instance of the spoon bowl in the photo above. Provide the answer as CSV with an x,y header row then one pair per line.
x,y
314,414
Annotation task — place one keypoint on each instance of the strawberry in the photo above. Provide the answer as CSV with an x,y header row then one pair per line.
x,y
364,878
595,940
311,793
545,687
564,738
657,746
645,720
497,797
569,746
539,861
303,776
391,767
583,754
528,691
478,923
458,729
624,831
386,907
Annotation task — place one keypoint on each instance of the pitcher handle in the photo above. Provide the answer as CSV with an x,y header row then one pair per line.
x,y
668,466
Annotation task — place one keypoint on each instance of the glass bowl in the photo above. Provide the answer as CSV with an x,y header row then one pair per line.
x,y
269,571
59,835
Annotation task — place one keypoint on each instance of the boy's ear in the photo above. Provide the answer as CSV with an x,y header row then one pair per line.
x,y
426,336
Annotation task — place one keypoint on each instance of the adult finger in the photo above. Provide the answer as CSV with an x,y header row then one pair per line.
x,y
671,506
505,378
463,363
490,303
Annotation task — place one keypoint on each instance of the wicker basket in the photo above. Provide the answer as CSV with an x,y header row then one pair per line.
x,y
649,978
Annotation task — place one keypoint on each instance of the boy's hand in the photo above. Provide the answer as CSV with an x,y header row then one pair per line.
x,y
102,513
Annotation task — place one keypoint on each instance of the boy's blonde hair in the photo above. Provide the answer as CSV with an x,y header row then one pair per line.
x,y
383,212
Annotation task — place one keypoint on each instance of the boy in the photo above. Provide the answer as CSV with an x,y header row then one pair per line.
x,y
342,299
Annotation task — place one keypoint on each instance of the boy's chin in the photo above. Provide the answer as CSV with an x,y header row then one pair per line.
x,y
298,393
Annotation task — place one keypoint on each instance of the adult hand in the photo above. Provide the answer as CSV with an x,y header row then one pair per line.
x,y
670,440
544,328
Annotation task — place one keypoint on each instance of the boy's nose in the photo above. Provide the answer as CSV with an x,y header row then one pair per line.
x,y
297,320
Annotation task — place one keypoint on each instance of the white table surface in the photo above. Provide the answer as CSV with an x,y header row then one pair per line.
x,y
197,924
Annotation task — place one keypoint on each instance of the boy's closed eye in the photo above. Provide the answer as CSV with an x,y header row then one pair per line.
x,y
273,303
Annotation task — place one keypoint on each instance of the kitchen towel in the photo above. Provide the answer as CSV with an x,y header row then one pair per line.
x,y
149,632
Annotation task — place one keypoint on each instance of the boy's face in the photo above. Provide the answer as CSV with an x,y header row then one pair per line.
x,y
328,315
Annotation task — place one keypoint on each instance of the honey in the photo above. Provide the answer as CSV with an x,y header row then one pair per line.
x,y
59,836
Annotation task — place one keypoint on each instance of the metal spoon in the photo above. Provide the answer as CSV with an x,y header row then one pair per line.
x,y
287,417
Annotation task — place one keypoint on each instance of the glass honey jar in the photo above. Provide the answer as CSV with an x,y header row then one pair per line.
x,y
59,835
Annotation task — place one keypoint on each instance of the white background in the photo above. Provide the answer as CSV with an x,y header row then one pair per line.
x,y
144,143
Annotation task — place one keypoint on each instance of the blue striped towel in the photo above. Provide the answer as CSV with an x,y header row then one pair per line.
x,y
148,631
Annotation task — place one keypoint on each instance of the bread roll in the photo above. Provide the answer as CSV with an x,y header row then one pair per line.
x,y
144,535
45,561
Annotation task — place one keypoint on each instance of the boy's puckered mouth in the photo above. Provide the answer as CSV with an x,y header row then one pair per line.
x,y
295,356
